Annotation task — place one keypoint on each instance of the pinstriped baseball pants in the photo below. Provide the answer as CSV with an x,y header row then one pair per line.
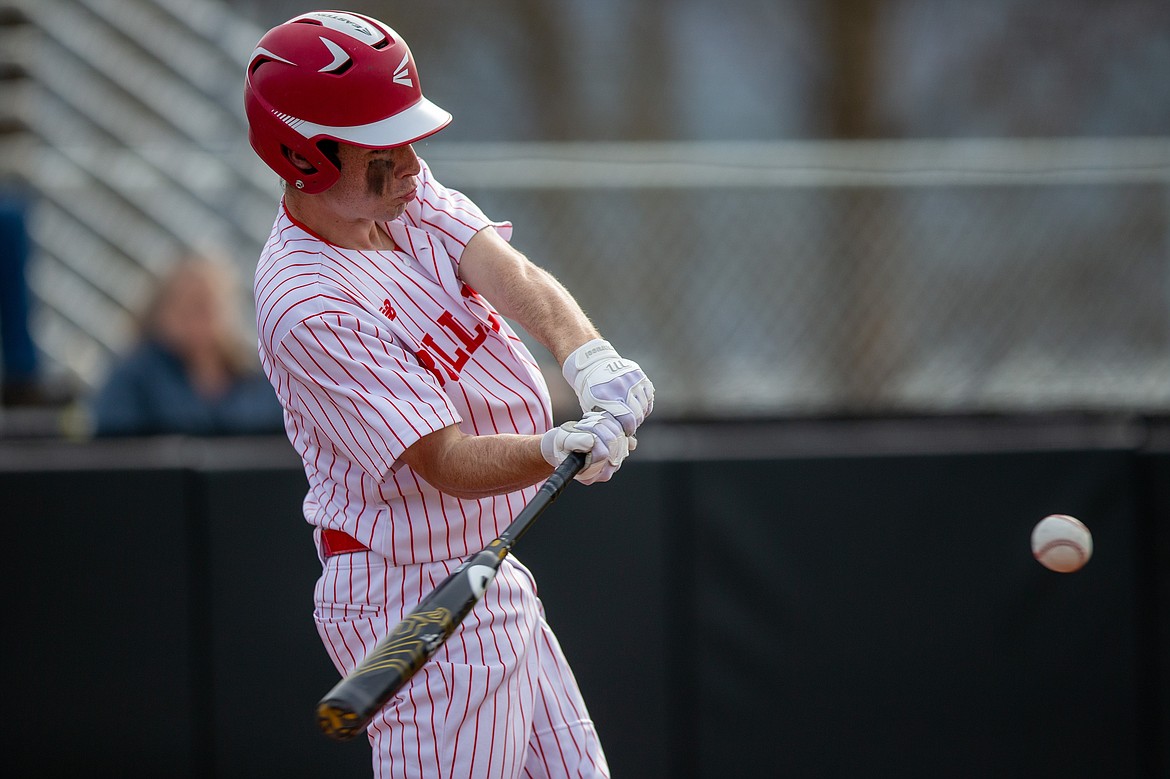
x,y
498,698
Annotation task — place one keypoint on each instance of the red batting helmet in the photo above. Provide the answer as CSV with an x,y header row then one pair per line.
x,y
333,75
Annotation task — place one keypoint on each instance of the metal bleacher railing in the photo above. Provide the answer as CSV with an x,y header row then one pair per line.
x,y
750,279
127,107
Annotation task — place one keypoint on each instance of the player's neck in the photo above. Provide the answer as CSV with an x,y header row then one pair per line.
x,y
347,233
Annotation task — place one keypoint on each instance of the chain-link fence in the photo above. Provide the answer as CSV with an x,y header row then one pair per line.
x,y
877,278
778,279
750,279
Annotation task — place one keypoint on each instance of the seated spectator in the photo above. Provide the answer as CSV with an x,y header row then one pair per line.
x,y
191,372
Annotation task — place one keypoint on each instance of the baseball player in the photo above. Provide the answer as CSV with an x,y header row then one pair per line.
x,y
423,421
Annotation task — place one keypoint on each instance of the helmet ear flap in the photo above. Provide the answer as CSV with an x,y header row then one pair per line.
x,y
318,168
273,139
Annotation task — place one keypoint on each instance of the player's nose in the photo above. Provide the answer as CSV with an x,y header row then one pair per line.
x,y
406,161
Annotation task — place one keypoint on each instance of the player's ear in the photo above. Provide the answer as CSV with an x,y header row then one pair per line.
x,y
329,148
299,160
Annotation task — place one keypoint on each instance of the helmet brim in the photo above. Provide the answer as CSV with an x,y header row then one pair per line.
x,y
415,123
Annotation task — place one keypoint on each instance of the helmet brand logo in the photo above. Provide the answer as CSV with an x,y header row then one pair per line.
x,y
349,24
345,19
402,73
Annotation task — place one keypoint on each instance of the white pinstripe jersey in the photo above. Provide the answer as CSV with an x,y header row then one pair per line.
x,y
371,350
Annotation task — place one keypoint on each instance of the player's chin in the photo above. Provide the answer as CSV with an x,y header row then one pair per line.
x,y
397,206
392,211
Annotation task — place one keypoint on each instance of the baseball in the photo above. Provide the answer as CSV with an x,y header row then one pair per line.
x,y
1062,543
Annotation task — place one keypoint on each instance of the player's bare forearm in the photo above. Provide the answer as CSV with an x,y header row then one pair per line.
x,y
525,293
472,467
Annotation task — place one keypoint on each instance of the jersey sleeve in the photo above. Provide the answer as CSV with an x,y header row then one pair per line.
x,y
369,396
448,214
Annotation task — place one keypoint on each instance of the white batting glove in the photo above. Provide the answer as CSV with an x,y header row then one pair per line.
x,y
604,380
599,436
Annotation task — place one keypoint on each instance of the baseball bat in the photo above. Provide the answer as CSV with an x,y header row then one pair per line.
x,y
347,709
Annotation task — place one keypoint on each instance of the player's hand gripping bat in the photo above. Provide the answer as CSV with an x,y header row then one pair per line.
x,y
345,710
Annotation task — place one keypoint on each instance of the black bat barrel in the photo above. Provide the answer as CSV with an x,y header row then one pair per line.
x,y
347,709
